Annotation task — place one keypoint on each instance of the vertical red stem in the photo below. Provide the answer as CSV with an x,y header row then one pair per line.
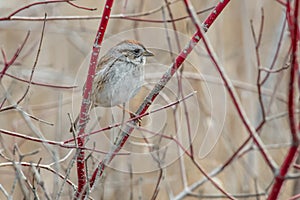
x,y
280,177
84,111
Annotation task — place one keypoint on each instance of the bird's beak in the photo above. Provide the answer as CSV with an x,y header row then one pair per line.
x,y
148,53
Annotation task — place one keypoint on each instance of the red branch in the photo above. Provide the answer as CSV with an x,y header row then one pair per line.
x,y
130,17
42,3
51,142
84,111
292,19
41,84
193,16
234,98
158,87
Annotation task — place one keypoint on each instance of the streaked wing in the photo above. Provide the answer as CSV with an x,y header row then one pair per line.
x,y
104,60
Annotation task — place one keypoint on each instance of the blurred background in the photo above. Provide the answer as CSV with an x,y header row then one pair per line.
x,y
153,164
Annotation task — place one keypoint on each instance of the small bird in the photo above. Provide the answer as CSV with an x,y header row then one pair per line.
x,y
119,75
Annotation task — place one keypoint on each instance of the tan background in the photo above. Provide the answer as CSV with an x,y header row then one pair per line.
x,y
216,128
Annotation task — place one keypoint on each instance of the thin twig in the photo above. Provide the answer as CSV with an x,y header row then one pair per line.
x,y
40,84
131,17
31,5
7,64
131,119
35,62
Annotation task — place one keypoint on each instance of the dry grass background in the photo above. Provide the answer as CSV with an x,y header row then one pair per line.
x,y
215,126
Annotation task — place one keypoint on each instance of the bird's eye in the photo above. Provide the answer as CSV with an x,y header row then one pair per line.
x,y
137,51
